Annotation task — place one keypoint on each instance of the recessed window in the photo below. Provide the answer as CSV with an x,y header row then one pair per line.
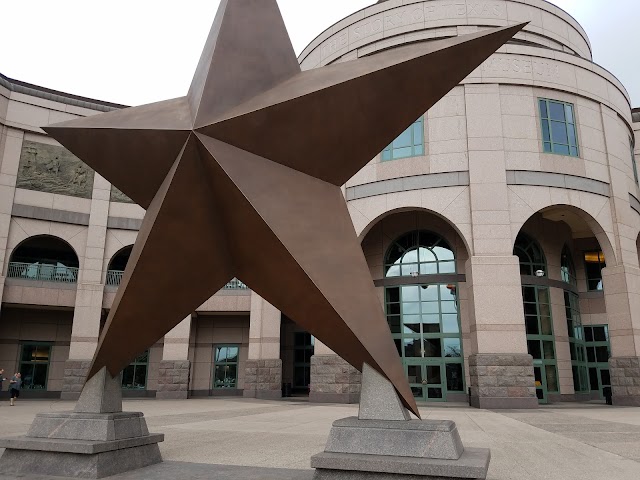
x,y
419,253
134,377
532,261
567,270
226,367
559,133
410,143
34,365
593,265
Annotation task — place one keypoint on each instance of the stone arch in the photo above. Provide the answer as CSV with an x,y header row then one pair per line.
x,y
466,240
579,222
44,257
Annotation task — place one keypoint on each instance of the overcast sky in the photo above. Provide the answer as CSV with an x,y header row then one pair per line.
x,y
139,51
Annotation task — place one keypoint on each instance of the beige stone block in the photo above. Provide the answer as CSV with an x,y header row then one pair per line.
x,y
71,204
449,162
446,129
28,116
126,210
501,342
34,198
486,168
448,146
489,196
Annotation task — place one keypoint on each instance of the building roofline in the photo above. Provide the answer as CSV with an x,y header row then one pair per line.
x,y
56,96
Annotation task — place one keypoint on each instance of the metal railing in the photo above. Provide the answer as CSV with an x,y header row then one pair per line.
x,y
43,272
114,277
235,284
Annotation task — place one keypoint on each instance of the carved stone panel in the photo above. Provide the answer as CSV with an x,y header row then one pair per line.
x,y
118,196
53,169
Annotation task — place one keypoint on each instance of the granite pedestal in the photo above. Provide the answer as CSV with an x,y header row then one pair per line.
x,y
96,440
383,443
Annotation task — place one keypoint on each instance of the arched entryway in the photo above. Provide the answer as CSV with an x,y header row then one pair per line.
x,y
416,258
117,265
562,257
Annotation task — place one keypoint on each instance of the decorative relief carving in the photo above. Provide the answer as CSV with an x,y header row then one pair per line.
x,y
53,169
118,196
464,9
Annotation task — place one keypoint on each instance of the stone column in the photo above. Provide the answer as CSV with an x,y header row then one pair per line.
x,y
90,291
10,149
500,370
263,376
173,374
333,380
622,298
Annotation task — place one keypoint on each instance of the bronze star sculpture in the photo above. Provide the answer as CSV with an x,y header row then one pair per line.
x,y
242,178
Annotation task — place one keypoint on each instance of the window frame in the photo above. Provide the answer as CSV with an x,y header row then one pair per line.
x,y
138,364
634,164
602,262
21,362
418,149
215,364
550,142
442,265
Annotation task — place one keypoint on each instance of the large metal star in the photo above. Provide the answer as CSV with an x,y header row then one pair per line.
x,y
242,178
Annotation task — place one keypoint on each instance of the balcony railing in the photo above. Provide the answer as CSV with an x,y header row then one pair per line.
x,y
114,277
235,284
43,272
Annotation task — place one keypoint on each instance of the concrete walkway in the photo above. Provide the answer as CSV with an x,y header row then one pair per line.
x,y
565,442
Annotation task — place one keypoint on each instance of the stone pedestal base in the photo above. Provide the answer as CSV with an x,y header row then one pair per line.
x,y
333,380
75,374
382,444
625,381
263,379
82,445
173,380
502,381
398,450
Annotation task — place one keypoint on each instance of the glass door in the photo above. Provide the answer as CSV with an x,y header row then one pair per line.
x,y
425,379
541,383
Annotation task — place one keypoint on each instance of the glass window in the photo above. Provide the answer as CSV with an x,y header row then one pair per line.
x,y
34,365
558,128
577,347
226,367
530,254
410,143
567,269
134,377
594,262
303,348
419,253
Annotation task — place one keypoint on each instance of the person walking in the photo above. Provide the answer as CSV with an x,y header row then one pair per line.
x,y
14,386
2,379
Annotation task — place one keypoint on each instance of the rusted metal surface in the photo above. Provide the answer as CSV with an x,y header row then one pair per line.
x,y
241,178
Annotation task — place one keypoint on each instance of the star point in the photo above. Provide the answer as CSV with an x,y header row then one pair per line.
x,y
242,178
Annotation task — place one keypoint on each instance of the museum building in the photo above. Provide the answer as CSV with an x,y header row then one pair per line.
x,y
502,230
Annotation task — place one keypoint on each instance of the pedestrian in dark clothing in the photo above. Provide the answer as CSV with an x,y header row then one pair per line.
x,y
2,379
14,386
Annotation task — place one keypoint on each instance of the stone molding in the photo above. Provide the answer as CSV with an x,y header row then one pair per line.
x,y
122,223
263,379
407,184
173,380
333,380
50,214
625,381
502,381
558,180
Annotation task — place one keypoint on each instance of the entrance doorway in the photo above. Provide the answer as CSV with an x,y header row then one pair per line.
x,y
426,380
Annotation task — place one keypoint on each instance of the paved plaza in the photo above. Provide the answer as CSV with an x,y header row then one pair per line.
x,y
564,442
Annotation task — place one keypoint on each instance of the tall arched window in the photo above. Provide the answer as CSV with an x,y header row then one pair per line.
x,y
567,269
419,253
530,254
537,317
424,317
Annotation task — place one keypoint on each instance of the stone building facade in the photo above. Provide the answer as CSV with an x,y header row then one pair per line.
x,y
502,230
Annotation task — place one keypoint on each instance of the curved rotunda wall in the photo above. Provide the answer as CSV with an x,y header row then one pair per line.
x,y
493,117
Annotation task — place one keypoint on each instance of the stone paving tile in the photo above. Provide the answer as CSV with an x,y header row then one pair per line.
x,y
565,443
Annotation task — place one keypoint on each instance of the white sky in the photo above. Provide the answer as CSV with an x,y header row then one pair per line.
x,y
139,51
